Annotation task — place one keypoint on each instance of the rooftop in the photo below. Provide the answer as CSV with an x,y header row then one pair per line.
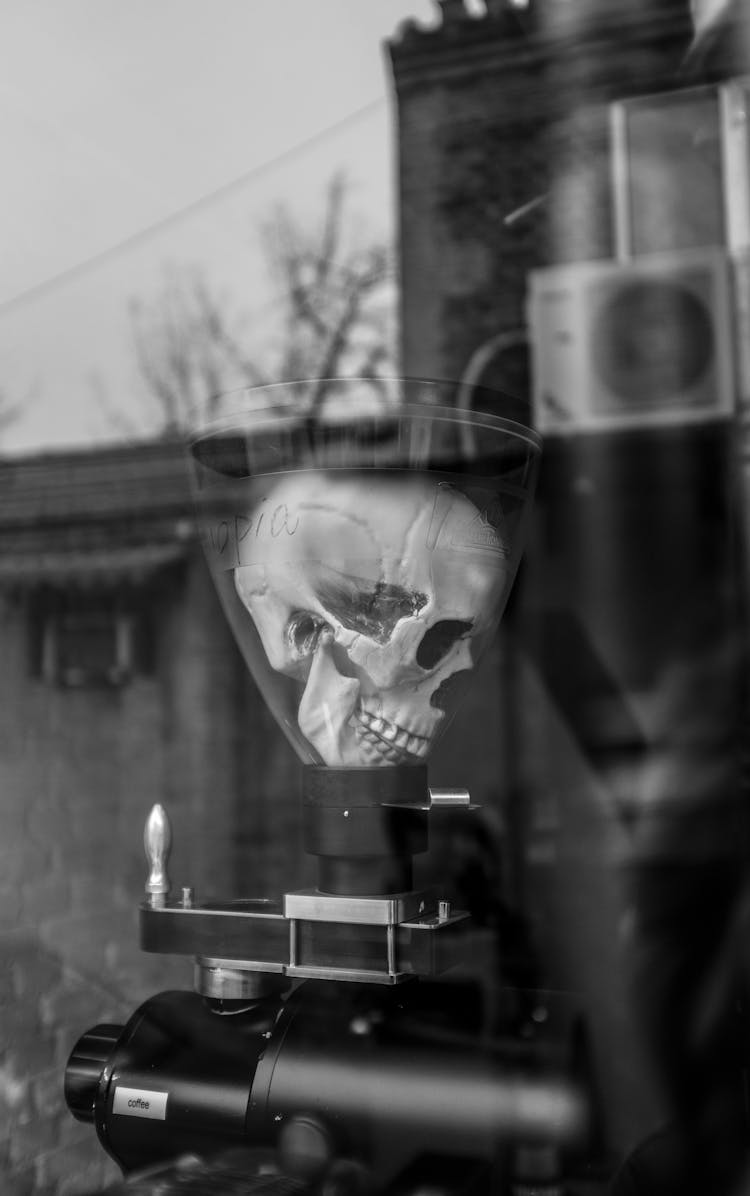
x,y
147,480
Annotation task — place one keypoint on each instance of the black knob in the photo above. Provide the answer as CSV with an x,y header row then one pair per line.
x,y
84,1070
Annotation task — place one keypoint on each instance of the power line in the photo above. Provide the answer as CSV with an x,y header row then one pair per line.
x,y
38,290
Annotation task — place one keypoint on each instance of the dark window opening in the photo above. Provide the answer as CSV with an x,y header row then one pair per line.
x,y
81,639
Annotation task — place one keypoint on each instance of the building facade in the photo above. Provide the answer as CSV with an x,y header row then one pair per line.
x,y
121,688
506,167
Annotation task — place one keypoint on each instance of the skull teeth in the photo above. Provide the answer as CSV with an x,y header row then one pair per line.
x,y
391,741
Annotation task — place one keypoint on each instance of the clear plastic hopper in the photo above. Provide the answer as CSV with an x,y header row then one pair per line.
x,y
363,555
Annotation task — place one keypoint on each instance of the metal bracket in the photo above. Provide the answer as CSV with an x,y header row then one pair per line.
x,y
313,906
376,940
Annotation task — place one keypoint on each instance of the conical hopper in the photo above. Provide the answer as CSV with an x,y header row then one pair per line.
x,y
363,555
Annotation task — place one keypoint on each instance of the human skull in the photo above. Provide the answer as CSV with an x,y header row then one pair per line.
x,y
370,589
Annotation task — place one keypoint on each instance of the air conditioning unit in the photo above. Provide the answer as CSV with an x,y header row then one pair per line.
x,y
681,169
616,345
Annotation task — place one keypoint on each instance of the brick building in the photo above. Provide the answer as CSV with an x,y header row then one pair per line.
x,y
505,166
502,158
121,687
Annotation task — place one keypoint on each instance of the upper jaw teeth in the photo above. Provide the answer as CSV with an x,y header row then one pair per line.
x,y
390,741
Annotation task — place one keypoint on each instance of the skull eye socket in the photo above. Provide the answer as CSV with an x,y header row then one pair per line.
x,y
438,640
303,633
372,611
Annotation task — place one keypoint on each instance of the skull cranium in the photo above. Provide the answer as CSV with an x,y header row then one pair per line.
x,y
370,589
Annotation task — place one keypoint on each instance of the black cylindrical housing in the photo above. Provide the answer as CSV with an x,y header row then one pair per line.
x,y
364,876
177,1080
387,1075
365,825
399,784
391,1083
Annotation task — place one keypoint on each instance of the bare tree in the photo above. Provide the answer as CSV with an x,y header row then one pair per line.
x,y
186,349
11,409
335,326
335,319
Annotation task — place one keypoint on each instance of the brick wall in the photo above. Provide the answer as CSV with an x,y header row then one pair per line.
x,y
469,101
79,771
493,115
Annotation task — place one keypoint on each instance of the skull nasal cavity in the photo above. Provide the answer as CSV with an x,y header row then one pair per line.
x,y
438,641
449,691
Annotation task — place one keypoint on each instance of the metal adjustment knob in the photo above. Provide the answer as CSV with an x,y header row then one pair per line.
x,y
157,842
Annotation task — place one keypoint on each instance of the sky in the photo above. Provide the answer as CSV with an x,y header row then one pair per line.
x,y
144,135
